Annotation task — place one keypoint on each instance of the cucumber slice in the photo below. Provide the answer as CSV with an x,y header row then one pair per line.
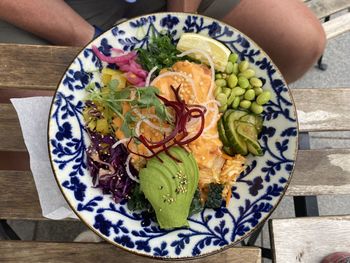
x,y
247,131
222,134
237,114
250,136
236,141
259,123
254,119
254,148
227,113
228,150
249,118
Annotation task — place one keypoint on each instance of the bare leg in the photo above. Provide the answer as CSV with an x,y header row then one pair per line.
x,y
286,29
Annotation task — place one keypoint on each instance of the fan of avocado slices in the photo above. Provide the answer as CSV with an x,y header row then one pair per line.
x,y
238,131
169,182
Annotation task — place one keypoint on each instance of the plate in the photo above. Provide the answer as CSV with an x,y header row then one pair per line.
x,y
257,191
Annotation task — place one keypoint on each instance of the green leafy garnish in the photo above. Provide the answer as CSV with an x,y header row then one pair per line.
x,y
196,205
161,52
138,200
214,195
112,99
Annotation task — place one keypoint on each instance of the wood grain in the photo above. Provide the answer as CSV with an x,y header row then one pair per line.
x,y
315,174
31,66
19,197
309,239
326,111
21,251
321,172
323,8
337,26
11,138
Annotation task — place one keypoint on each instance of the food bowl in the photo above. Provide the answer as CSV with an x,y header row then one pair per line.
x,y
257,190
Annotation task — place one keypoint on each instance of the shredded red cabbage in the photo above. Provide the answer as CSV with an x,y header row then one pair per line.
x,y
107,166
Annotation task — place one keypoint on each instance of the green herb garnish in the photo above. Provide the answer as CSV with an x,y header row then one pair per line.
x,y
112,99
138,200
214,195
196,205
161,52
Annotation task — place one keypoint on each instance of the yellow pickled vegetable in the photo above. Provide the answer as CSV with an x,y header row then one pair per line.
x,y
110,74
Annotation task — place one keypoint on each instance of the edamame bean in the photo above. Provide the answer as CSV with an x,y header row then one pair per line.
x,y
255,82
226,91
238,91
249,94
230,98
218,76
245,104
217,91
250,87
233,57
244,65
258,91
235,69
232,81
229,67
264,97
235,102
222,99
223,108
220,82
256,108
247,73
243,82
224,75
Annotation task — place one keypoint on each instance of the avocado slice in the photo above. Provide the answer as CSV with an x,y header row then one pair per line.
x,y
169,185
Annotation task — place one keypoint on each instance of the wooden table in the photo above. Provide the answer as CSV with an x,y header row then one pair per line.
x,y
28,70
35,70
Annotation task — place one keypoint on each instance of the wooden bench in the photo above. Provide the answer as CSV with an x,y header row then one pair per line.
x,y
309,239
36,70
33,252
36,73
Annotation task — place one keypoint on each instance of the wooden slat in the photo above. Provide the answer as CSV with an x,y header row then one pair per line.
x,y
19,197
326,111
11,138
309,239
321,172
322,109
7,94
317,172
21,251
33,67
323,8
337,26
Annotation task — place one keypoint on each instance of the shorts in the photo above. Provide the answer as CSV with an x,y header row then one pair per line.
x,y
105,13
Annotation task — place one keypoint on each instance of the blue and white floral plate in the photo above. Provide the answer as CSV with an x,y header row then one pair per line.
x,y
257,192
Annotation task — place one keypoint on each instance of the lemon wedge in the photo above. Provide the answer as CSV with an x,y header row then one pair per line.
x,y
218,52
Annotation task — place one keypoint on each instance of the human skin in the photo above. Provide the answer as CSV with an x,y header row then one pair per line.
x,y
286,30
52,20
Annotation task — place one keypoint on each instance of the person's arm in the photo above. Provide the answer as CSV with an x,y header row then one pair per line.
x,y
189,6
52,20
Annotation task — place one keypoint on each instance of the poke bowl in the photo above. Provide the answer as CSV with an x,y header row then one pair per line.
x,y
172,135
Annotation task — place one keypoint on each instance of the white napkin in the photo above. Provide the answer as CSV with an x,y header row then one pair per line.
x,y
33,117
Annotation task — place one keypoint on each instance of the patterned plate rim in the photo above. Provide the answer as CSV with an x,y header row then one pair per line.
x,y
232,244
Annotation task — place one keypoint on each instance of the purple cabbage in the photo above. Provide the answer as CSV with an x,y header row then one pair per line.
x,y
110,176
